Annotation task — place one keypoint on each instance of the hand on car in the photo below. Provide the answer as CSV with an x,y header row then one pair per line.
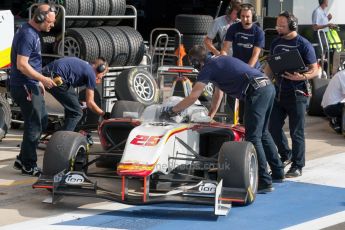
x,y
106,116
167,112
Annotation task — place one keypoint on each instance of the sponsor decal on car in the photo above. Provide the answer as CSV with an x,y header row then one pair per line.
x,y
207,188
74,179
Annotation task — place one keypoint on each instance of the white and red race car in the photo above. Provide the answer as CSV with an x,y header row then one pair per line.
x,y
146,160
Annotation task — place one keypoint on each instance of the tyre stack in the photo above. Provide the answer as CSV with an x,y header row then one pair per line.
x,y
89,39
193,27
120,46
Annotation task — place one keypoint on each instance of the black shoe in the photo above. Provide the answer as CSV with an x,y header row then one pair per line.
x,y
34,171
17,163
89,139
265,188
293,172
278,178
335,124
286,160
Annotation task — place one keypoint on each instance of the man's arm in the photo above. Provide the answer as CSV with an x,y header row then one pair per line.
x,y
225,48
318,27
24,67
310,74
197,90
209,45
255,56
216,100
91,104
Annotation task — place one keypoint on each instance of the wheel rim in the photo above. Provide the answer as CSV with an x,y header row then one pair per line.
x,y
71,47
80,159
143,87
253,171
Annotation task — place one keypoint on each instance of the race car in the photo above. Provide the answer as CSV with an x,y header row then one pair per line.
x,y
147,159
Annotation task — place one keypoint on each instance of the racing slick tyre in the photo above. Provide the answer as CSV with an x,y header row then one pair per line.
x,y
238,167
65,150
117,7
193,24
133,108
318,87
137,85
5,116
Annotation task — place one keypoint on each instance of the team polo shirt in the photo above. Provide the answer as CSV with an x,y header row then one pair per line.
x,y
26,42
319,17
280,45
73,71
244,41
229,74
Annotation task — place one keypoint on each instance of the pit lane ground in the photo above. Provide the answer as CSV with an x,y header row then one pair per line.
x,y
314,201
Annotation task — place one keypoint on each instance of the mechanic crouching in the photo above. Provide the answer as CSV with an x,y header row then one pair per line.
x,y
239,80
70,73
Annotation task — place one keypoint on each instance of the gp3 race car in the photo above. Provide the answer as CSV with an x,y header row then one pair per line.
x,y
148,160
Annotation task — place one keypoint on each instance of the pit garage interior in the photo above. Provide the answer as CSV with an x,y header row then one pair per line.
x,y
141,40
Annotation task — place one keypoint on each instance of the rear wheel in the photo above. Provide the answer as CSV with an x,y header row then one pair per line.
x,y
65,150
5,116
318,87
238,167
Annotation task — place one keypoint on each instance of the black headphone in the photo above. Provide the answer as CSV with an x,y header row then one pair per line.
x,y
40,16
292,20
248,6
101,67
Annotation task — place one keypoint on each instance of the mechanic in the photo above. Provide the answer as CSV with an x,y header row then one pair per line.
x,y
333,101
238,79
246,39
219,28
27,84
292,91
74,73
217,32
320,21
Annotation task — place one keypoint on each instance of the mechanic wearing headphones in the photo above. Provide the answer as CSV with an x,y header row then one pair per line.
x,y
238,79
292,91
217,32
72,72
246,39
27,84
219,28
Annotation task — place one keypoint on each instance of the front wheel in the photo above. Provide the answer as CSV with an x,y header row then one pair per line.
x,y
65,150
238,167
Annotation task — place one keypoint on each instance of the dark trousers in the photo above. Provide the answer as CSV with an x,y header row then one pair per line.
x,y
35,118
335,110
258,106
68,98
293,106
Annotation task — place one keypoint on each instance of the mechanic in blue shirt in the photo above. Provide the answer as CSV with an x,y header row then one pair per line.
x,y
247,39
74,73
236,78
292,91
27,84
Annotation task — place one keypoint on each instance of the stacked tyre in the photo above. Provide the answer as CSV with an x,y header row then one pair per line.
x,y
193,27
91,8
120,46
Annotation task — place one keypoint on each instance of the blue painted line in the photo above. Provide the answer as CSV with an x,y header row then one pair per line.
x,y
291,203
